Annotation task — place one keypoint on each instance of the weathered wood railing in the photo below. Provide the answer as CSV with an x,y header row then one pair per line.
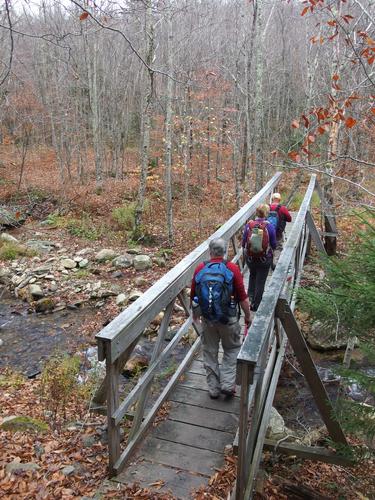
x,y
117,340
262,353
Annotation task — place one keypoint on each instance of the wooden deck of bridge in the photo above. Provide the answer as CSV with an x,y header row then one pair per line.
x,y
181,453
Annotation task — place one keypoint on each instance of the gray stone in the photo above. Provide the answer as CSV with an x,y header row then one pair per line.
x,y
276,428
123,261
142,262
15,467
77,259
159,261
8,238
134,251
117,274
323,337
88,440
17,423
104,293
45,304
83,263
40,245
53,286
134,295
36,291
68,470
68,263
121,299
84,251
140,281
4,272
60,307
105,254
42,270
16,280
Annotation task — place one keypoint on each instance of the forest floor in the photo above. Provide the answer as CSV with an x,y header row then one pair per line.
x,y
69,457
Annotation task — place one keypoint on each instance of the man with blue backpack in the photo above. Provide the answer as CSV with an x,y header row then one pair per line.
x,y
216,291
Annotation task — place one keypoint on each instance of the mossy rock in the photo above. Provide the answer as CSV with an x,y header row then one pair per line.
x,y
16,423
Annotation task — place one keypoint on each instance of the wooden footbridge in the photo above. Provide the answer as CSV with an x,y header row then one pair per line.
x,y
182,450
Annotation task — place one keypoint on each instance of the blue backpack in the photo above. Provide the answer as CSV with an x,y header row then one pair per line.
x,y
274,218
214,289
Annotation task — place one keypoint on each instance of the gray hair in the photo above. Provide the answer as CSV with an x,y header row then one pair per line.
x,y
217,247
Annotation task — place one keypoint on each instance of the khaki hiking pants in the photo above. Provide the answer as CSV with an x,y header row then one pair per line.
x,y
229,335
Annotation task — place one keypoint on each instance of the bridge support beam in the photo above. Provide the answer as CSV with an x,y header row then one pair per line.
x,y
298,343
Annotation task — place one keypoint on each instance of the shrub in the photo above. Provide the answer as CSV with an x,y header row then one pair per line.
x,y
84,228
59,382
347,296
10,251
125,216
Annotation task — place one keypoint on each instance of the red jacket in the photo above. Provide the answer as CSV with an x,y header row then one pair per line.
x,y
283,212
239,289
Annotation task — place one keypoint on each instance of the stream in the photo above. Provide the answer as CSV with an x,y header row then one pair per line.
x,y
28,339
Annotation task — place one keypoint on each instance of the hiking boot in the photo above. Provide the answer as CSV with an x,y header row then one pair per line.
x,y
214,394
229,392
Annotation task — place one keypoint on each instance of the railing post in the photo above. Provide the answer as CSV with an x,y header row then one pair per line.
x,y
245,376
112,375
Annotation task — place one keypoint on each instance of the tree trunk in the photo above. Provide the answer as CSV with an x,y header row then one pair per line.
x,y
168,134
148,97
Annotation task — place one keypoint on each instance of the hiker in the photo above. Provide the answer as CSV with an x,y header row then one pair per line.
x,y
216,290
258,243
281,215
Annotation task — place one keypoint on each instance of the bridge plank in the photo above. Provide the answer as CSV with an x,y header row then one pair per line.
x,y
200,398
203,417
193,435
188,458
146,473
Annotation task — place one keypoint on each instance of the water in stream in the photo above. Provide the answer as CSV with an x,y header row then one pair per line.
x,y
28,339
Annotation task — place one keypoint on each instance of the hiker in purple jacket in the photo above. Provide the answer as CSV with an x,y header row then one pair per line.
x,y
259,265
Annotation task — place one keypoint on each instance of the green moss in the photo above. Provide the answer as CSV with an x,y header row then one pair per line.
x,y
24,423
11,251
11,379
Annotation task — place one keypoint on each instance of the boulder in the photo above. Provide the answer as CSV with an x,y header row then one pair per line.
x,y
105,254
8,238
4,276
276,428
323,337
40,245
142,262
123,261
17,467
135,364
17,423
35,291
45,304
117,274
134,251
83,263
140,281
159,261
11,217
84,251
121,299
68,263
